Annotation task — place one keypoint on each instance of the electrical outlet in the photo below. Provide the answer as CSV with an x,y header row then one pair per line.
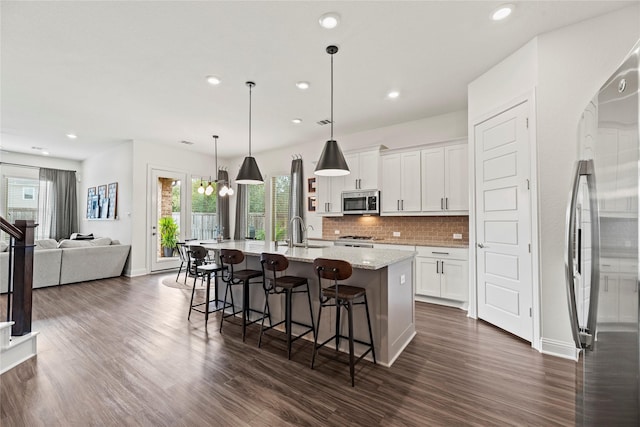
x,y
403,279
336,231
396,234
457,236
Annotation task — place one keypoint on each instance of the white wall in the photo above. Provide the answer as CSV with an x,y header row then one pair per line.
x,y
429,130
113,165
573,63
565,67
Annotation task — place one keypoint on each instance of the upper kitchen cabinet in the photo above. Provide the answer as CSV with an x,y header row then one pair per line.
x,y
364,170
445,180
329,194
617,155
400,183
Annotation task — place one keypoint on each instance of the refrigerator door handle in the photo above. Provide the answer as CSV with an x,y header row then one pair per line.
x,y
582,337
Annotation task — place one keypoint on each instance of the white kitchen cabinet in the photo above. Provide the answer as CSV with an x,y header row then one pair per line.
x,y
618,294
442,273
445,179
329,194
616,170
400,183
364,170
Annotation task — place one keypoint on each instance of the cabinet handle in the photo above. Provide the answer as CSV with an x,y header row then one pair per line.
x,y
441,203
446,203
402,204
437,267
397,205
440,253
441,267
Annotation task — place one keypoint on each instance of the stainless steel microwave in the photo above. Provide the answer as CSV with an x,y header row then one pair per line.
x,y
362,202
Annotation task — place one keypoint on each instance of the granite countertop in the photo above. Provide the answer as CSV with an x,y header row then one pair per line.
x,y
364,258
406,242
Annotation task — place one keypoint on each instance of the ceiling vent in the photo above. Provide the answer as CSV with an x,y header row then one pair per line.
x,y
324,122
186,142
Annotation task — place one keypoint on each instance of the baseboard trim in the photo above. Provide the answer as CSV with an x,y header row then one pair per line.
x,y
563,349
462,305
136,273
20,349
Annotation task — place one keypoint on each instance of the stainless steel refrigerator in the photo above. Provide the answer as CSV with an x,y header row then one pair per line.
x,y
602,253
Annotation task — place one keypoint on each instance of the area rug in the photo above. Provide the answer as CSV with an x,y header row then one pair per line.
x,y
170,281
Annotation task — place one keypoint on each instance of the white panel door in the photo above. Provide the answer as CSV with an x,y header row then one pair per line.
x,y
503,227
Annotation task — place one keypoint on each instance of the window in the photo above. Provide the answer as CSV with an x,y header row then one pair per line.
x,y
280,206
21,200
255,212
204,212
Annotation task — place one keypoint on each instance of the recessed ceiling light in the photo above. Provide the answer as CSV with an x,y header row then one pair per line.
x,y
213,80
329,20
502,12
72,136
393,94
303,85
297,121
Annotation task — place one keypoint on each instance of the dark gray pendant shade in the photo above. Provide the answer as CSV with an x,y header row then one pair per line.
x,y
331,162
249,172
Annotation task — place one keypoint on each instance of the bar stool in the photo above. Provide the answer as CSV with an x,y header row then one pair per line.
x,y
232,257
184,261
341,296
288,286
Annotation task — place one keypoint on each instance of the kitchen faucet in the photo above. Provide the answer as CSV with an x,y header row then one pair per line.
x,y
305,228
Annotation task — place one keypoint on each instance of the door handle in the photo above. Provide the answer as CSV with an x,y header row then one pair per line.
x,y
583,338
481,246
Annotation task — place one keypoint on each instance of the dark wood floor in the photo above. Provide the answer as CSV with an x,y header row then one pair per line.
x,y
121,352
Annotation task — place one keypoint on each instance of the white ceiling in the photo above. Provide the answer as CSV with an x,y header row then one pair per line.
x,y
116,71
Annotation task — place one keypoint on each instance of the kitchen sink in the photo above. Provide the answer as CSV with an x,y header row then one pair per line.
x,y
301,245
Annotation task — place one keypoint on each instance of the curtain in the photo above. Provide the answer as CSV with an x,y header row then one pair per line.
x,y
223,207
57,204
296,202
240,231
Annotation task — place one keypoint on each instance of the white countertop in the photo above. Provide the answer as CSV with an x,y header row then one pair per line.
x,y
364,258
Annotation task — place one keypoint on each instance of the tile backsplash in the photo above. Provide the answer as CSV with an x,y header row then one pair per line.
x,y
418,229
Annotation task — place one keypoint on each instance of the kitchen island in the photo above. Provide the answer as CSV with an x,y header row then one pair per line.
x,y
386,274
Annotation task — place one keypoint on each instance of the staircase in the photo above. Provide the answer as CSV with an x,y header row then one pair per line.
x,y
15,350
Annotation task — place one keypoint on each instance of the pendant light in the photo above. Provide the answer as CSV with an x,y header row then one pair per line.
x,y
209,188
201,188
225,190
249,172
332,162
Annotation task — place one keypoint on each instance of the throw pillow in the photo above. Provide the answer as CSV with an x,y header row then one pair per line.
x,y
46,244
67,243
78,236
101,241
3,246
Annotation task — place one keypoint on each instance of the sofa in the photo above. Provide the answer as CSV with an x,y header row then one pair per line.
x,y
70,261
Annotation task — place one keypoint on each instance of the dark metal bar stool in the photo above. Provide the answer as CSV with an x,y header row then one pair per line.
x,y
287,285
184,260
232,257
341,296
208,270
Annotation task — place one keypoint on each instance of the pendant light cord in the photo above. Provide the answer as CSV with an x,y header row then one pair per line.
x,y
250,87
332,96
215,138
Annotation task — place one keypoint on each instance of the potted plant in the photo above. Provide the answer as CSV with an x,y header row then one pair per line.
x,y
168,235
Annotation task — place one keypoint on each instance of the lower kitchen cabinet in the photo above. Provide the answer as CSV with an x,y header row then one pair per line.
x,y
442,273
618,294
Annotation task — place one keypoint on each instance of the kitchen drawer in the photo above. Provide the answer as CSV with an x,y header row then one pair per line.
x,y
443,252
395,247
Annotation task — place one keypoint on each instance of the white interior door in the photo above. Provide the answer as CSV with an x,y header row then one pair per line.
x,y
168,198
503,222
